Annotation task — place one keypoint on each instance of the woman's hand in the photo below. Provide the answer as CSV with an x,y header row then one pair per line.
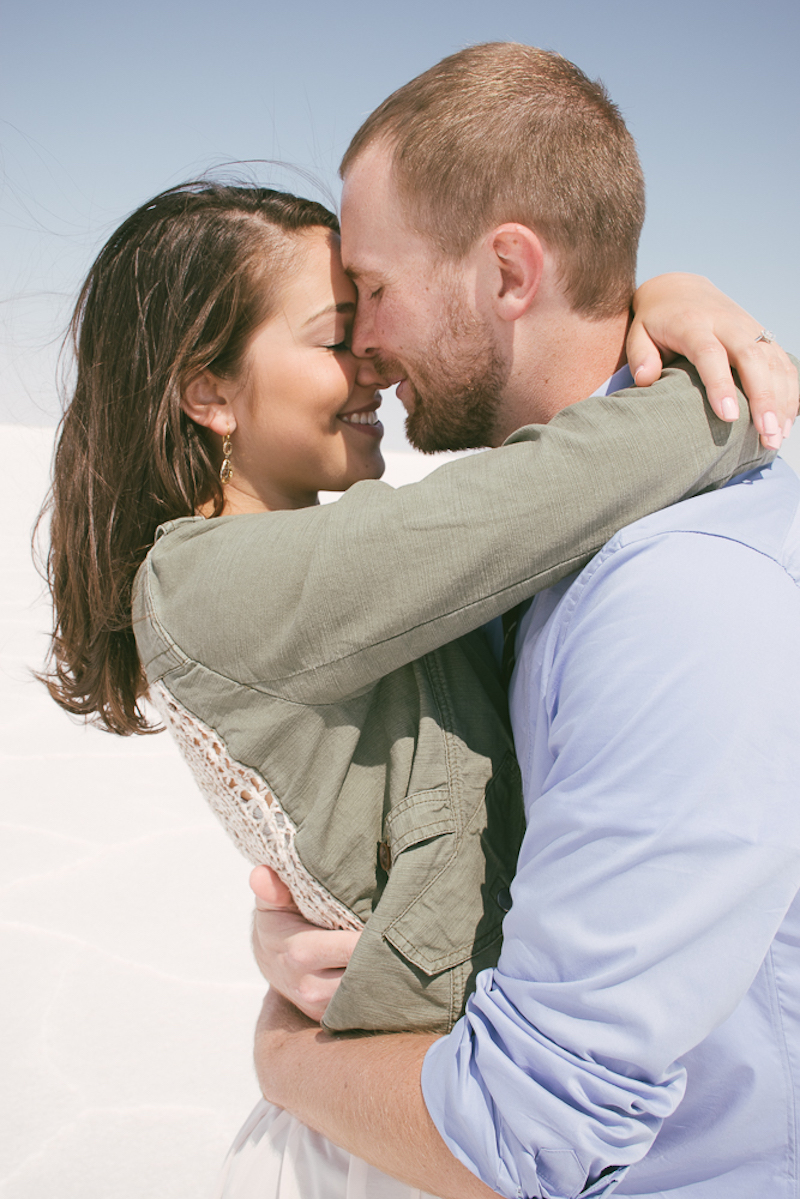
x,y
686,315
298,959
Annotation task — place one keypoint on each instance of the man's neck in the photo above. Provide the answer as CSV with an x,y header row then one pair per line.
x,y
558,366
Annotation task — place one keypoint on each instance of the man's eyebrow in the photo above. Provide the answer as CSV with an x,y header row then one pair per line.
x,y
347,308
355,271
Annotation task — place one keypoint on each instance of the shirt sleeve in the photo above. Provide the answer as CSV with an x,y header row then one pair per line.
x,y
660,761
384,576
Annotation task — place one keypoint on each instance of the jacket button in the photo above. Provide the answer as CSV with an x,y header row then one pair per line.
x,y
385,856
504,899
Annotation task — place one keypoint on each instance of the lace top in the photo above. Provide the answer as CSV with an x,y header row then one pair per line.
x,y
250,812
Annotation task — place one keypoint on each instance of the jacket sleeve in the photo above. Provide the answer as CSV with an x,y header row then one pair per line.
x,y
383,576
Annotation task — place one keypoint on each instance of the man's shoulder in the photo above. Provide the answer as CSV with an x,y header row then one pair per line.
x,y
744,537
758,511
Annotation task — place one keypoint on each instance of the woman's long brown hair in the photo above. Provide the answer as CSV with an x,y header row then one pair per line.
x,y
180,287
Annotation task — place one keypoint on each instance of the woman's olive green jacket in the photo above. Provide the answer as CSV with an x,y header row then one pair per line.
x,y
330,655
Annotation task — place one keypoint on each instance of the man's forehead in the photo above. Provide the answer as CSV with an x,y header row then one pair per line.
x,y
358,259
369,197
371,170
376,233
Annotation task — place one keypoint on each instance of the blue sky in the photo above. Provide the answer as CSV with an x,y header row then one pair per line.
x,y
104,104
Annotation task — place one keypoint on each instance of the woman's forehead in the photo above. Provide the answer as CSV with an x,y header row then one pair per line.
x,y
320,283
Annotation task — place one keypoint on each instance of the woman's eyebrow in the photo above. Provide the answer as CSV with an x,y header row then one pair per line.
x,y
347,308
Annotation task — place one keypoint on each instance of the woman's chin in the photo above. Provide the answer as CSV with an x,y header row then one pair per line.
x,y
369,468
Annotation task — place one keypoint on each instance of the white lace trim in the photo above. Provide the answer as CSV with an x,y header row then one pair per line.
x,y
249,810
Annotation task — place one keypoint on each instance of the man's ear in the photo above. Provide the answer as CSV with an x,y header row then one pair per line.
x,y
205,400
518,262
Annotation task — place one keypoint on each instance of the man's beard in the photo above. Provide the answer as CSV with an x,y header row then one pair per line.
x,y
458,390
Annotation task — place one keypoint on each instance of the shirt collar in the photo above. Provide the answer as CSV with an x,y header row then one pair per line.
x,y
617,382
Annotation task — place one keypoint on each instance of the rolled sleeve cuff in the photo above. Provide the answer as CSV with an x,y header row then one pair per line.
x,y
471,1136
517,1132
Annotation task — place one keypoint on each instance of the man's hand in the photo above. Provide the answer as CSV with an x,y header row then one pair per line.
x,y
301,961
687,315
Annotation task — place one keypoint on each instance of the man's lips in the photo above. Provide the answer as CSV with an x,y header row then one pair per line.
x,y
405,394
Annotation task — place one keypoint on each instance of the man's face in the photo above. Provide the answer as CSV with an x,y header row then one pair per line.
x,y
417,318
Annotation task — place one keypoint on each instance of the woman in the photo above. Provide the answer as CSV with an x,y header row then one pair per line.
x,y
306,658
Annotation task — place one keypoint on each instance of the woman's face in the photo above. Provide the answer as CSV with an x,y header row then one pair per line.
x,y
305,408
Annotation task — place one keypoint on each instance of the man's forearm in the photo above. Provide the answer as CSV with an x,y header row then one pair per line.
x,y
363,1093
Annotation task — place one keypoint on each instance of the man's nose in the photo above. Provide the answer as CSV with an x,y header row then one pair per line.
x,y
363,341
368,374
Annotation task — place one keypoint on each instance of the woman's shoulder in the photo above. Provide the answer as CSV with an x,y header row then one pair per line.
x,y
183,529
195,582
184,523
163,584
189,543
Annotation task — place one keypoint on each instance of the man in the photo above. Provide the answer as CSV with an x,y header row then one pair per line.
x,y
639,1032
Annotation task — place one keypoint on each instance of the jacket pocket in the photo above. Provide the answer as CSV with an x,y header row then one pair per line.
x,y
439,918
459,883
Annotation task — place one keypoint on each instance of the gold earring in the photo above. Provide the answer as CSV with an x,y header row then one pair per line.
x,y
226,470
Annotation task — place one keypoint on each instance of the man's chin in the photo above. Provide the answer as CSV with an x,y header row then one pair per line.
x,y
437,437
423,444
458,414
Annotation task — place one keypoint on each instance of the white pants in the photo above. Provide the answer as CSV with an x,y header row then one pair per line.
x,y
276,1157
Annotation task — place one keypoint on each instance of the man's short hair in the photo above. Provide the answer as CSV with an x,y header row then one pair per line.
x,y
504,132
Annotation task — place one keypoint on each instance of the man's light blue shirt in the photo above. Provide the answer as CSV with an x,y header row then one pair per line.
x,y
641,1031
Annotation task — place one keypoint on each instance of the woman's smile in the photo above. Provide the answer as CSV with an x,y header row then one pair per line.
x,y
364,420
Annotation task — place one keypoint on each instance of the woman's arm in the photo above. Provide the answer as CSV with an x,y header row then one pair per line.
x,y
686,315
318,604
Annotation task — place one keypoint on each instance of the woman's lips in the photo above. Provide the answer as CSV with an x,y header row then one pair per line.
x,y
364,421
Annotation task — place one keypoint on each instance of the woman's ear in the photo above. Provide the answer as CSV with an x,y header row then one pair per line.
x,y
204,399
517,259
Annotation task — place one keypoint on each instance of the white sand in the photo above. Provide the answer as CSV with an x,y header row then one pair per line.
x,y
129,994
